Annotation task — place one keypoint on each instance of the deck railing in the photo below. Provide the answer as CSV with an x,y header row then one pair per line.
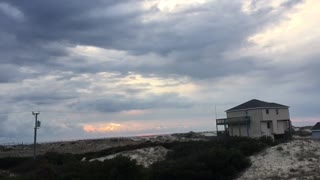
x,y
234,120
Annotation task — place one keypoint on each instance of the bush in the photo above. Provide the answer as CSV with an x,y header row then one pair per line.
x,y
217,163
216,159
249,148
266,140
45,171
57,158
279,148
117,168
10,162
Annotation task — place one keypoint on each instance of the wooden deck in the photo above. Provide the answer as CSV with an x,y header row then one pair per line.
x,y
235,120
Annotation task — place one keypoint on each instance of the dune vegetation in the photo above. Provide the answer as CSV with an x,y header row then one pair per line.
x,y
211,159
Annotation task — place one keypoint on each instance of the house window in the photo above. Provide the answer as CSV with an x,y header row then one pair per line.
x,y
246,113
268,125
277,111
267,111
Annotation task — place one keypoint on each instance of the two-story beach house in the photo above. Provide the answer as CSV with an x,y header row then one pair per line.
x,y
256,118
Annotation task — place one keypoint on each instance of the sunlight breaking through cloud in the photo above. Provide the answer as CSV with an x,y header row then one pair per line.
x,y
172,5
101,128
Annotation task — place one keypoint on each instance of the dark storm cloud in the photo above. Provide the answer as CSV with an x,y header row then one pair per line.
x,y
201,70
32,55
192,40
121,103
8,73
43,97
44,29
77,22
36,37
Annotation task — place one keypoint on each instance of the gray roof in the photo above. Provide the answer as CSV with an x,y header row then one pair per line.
x,y
254,103
316,127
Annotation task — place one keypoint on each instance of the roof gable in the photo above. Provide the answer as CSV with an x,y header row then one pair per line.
x,y
316,127
254,103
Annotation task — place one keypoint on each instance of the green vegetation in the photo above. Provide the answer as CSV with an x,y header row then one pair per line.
x,y
214,159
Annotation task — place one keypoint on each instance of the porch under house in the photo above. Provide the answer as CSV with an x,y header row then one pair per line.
x,y
224,125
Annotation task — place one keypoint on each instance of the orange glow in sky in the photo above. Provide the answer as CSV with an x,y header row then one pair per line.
x,y
145,128
101,128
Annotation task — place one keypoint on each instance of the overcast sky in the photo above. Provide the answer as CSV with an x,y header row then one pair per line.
x,y
103,68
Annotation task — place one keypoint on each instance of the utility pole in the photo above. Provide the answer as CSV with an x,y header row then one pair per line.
x,y
36,126
215,111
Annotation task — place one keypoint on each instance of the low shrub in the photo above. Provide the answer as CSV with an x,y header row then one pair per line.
x,y
279,148
117,168
213,163
10,162
266,140
214,159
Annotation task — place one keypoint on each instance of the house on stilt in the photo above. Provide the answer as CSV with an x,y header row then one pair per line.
x,y
256,118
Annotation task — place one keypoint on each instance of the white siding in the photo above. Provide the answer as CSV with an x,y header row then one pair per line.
x,y
236,114
254,129
238,130
283,114
258,124
265,131
282,126
278,126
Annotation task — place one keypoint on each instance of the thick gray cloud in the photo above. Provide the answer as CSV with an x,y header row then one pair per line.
x,y
12,130
120,103
41,98
116,56
192,40
75,22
